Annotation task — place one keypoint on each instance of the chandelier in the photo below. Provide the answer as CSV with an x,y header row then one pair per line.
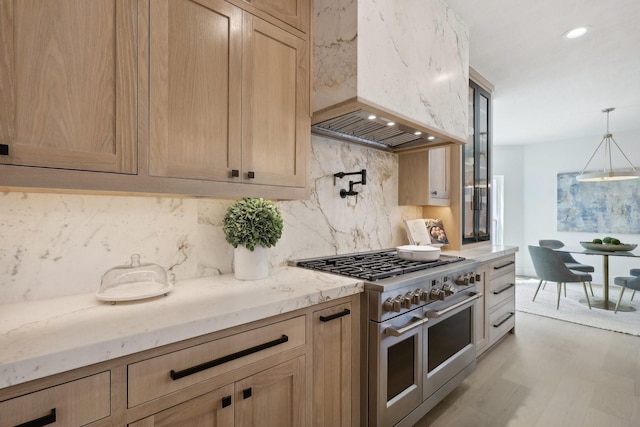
x,y
607,173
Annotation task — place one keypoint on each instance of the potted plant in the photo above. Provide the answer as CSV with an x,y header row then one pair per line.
x,y
251,225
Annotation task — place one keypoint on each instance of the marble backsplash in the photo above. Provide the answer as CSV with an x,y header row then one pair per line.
x,y
61,244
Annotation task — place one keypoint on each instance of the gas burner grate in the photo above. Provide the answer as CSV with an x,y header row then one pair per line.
x,y
372,266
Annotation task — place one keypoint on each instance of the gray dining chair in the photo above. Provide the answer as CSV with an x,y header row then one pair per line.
x,y
550,267
632,282
628,282
568,259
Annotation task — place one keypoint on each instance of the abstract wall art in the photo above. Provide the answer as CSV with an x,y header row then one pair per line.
x,y
598,207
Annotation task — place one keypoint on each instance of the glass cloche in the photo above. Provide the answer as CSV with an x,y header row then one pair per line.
x,y
134,281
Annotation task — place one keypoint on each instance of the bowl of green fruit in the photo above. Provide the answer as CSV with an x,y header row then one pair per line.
x,y
609,244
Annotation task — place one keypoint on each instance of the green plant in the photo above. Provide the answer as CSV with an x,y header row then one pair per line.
x,y
252,221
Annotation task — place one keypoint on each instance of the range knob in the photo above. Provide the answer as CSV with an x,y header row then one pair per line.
x,y
478,278
405,301
462,280
391,305
472,279
416,296
448,290
437,294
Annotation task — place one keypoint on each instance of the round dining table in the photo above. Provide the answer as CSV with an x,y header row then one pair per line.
x,y
604,304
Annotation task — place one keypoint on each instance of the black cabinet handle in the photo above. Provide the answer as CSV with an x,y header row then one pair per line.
x,y
46,420
506,288
226,401
505,265
335,316
4,150
246,393
251,174
504,320
228,358
235,173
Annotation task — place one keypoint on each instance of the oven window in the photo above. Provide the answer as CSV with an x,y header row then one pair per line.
x,y
400,370
448,337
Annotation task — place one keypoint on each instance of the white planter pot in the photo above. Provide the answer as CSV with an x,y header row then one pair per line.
x,y
250,265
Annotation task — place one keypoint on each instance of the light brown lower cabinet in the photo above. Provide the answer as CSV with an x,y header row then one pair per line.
x,y
296,369
214,409
498,310
272,398
332,373
74,403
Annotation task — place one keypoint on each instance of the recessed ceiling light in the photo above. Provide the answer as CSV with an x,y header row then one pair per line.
x,y
417,133
391,123
431,138
372,117
575,33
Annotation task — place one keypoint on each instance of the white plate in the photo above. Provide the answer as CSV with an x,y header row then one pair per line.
x,y
418,253
134,291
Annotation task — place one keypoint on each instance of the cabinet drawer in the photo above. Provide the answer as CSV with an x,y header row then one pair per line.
x,y
156,377
75,403
501,320
504,265
501,289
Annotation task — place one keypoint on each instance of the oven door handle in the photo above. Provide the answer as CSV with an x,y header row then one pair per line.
x,y
401,331
436,314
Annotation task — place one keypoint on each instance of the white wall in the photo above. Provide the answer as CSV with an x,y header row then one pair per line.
x,y
508,162
532,214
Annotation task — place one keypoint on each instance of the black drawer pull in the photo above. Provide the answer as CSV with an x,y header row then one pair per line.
x,y
226,401
4,150
46,420
505,265
228,358
246,393
335,316
504,320
506,288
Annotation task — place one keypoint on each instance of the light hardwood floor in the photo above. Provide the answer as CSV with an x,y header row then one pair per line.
x,y
550,373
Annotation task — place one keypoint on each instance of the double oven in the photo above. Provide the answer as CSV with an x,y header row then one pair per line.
x,y
419,319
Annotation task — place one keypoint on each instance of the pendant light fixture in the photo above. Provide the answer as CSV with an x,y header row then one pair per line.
x,y
607,173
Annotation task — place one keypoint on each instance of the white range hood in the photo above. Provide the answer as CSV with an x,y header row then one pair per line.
x,y
404,62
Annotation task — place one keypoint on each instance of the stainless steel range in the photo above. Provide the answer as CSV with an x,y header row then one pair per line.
x,y
420,319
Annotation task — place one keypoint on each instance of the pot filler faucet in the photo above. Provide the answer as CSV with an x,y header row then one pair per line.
x,y
351,192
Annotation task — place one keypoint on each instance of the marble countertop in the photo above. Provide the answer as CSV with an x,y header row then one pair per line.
x,y
42,338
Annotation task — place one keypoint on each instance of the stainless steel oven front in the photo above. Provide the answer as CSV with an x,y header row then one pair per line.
x,y
415,356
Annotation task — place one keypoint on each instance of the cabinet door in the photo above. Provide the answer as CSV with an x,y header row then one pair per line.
x,y
292,12
214,409
75,403
272,398
332,386
195,89
275,106
439,172
68,84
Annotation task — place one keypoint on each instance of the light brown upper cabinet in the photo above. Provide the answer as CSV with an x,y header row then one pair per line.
x,y
275,99
292,12
229,96
68,82
176,97
195,94
425,177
